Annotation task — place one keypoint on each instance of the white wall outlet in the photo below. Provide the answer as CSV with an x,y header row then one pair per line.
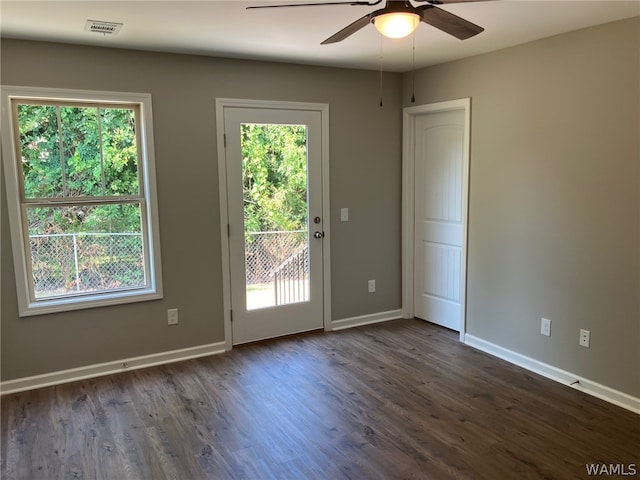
x,y
585,338
344,214
372,286
172,316
545,327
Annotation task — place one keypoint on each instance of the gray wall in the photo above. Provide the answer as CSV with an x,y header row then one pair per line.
x,y
365,176
554,196
554,217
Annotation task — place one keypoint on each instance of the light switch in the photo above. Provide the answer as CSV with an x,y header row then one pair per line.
x,y
344,214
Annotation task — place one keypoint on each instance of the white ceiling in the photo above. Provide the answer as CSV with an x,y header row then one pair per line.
x,y
227,29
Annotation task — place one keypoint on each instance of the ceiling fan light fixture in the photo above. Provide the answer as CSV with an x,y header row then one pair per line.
x,y
396,24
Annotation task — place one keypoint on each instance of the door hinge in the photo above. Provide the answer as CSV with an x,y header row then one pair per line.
x,y
228,230
231,315
224,140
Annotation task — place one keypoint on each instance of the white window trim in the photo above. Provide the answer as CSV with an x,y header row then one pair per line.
x,y
26,306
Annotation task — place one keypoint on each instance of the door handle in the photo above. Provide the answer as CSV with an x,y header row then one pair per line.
x,y
318,234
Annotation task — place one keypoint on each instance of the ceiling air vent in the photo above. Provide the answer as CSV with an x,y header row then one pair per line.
x,y
107,28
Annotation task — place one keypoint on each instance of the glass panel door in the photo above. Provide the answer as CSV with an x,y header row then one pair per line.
x,y
273,168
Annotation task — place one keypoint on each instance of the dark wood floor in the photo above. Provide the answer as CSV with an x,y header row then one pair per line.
x,y
397,400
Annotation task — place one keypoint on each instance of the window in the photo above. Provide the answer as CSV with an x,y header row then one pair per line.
x,y
81,196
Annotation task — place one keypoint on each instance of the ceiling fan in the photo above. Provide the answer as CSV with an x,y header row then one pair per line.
x,y
400,18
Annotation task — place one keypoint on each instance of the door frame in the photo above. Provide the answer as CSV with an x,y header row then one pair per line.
x,y
323,109
409,115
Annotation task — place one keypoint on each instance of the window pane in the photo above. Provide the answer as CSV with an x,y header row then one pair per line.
x,y
86,248
120,153
40,151
274,177
81,144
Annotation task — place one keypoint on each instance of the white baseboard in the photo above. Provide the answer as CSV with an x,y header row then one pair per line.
x,y
585,385
365,319
117,366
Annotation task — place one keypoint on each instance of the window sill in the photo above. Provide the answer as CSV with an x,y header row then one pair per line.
x,y
80,303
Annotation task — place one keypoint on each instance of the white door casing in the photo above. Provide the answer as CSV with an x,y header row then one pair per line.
x,y
245,325
435,192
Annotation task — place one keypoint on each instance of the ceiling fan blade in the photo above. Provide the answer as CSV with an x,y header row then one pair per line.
x,y
350,29
445,2
315,4
448,22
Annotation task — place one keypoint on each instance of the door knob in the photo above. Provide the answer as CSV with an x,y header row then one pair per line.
x,y
318,234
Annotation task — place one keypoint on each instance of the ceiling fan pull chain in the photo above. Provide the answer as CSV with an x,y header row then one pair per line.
x,y
380,69
413,70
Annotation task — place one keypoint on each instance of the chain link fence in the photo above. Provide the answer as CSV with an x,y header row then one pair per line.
x,y
266,251
64,264
67,263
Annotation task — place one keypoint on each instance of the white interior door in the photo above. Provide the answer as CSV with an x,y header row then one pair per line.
x,y
276,273
440,217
